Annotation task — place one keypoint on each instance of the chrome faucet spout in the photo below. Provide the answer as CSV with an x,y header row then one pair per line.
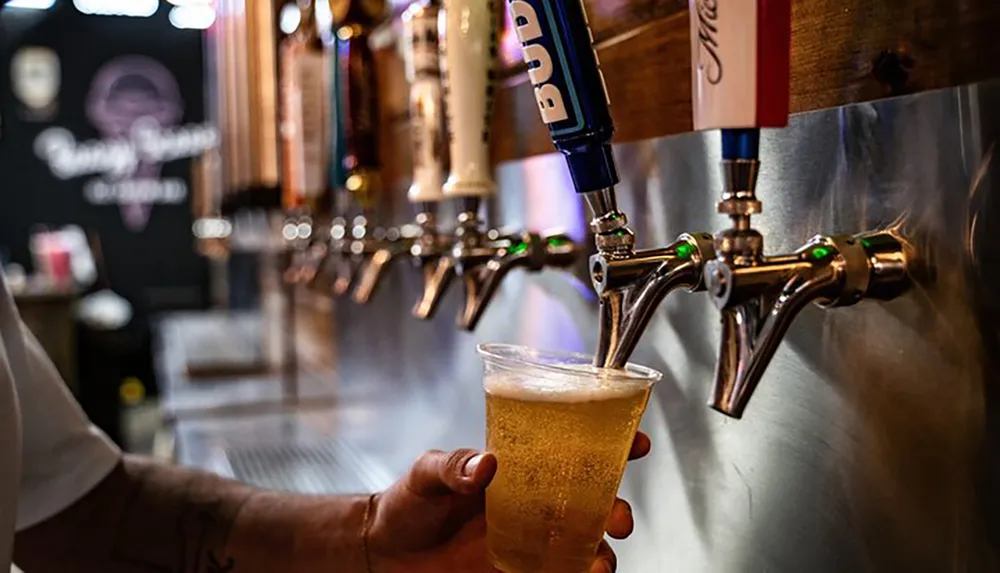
x,y
373,269
438,274
483,269
760,302
631,284
429,252
632,288
340,257
751,334
390,247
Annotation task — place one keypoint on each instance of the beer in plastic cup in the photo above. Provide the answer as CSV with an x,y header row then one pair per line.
x,y
561,430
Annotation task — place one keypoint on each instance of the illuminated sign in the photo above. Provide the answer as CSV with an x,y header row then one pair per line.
x,y
135,103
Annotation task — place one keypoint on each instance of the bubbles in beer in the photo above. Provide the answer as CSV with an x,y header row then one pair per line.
x,y
561,437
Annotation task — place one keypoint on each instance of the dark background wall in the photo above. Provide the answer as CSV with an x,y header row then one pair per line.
x,y
156,268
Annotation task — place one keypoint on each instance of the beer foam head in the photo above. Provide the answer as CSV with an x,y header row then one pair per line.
x,y
567,383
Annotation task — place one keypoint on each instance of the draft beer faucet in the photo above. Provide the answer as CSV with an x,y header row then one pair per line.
x,y
355,136
421,240
572,98
741,84
304,122
421,58
481,258
361,160
328,248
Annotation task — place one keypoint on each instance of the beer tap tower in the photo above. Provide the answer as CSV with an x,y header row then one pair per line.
x,y
326,252
569,87
422,56
426,245
741,84
481,258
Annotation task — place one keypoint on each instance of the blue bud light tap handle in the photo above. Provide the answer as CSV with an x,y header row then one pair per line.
x,y
569,86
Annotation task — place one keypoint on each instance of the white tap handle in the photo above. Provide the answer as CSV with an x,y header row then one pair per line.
x,y
468,38
422,59
740,54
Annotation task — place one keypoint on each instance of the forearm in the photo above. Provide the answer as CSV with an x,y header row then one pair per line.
x,y
147,518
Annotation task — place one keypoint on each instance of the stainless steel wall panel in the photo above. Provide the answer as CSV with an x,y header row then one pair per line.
x,y
869,445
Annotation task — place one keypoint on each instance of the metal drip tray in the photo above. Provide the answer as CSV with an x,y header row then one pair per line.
x,y
329,467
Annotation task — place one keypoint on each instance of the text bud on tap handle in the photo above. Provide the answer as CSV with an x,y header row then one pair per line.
x,y
569,87
740,56
469,48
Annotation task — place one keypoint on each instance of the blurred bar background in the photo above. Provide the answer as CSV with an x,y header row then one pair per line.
x,y
157,281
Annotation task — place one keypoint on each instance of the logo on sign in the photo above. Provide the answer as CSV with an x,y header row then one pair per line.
x,y
551,103
135,104
708,39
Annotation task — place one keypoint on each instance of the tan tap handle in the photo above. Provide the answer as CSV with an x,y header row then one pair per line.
x,y
421,55
469,47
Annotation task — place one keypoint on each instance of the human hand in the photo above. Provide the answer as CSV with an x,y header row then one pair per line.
x,y
433,519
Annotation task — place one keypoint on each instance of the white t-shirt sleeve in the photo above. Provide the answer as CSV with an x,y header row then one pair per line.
x,y
63,456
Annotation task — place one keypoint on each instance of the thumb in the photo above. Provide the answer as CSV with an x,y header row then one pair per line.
x,y
465,472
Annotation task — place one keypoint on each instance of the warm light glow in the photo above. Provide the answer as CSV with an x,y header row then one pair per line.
x,y
304,231
290,17
510,45
212,228
192,17
345,33
131,8
353,183
31,4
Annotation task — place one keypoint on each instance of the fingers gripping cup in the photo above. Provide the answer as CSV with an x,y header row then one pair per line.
x,y
561,430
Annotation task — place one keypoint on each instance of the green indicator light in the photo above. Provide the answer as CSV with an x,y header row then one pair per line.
x,y
820,252
866,243
685,250
620,233
557,241
519,248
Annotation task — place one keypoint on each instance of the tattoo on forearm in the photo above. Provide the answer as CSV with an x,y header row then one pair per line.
x,y
202,523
